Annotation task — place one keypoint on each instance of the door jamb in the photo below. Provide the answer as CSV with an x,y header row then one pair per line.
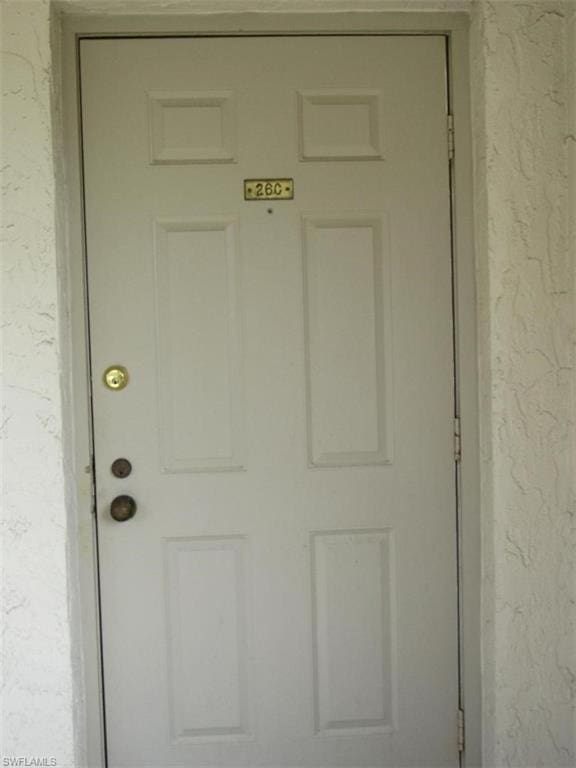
x,y
68,30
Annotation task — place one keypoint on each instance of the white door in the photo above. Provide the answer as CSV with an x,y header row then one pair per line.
x,y
285,594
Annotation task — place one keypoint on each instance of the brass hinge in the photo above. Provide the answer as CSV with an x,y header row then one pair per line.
x,y
457,439
461,734
450,137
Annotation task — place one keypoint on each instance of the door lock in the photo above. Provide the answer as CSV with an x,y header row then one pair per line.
x,y
121,468
122,508
116,377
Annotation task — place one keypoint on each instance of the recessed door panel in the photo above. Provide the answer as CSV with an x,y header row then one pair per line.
x,y
206,638
196,297
347,310
355,631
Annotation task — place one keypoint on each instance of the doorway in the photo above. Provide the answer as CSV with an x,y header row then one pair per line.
x,y
266,418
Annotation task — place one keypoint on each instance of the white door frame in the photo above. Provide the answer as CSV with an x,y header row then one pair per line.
x,y
454,26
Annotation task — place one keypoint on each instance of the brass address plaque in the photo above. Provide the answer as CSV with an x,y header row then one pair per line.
x,y
268,189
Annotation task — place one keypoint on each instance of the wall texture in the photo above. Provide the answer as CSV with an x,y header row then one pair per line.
x,y
526,317
525,279
37,685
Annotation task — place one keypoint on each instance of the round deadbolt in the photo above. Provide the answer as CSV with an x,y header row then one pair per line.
x,y
121,468
116,377
122,508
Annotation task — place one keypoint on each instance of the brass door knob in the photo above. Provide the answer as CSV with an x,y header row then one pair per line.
x,y
123,508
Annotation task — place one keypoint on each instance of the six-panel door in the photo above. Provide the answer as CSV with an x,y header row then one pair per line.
x,y
286,592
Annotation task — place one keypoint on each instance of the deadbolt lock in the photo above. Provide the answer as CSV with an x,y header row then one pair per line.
x,y
115,377
121,468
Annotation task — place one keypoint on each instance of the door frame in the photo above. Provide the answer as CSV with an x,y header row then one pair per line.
x,y
68,30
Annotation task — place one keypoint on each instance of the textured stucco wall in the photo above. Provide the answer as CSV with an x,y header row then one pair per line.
x,y
37,685
524,278
525,286
155,7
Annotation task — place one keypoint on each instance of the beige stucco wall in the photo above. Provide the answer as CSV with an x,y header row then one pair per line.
x,y
526,308
526,317
37,685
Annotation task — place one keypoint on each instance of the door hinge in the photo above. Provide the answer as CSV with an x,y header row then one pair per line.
x,y
461,734
457,439
450,137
